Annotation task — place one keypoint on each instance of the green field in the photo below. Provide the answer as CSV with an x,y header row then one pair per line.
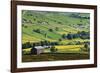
x,y
67,32
55,57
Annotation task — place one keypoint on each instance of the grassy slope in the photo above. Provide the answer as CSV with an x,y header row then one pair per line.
x,y
65,24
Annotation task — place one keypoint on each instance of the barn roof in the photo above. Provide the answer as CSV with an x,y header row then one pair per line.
x,y
39,47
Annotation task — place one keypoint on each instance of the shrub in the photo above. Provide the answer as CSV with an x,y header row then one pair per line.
x,y
25,26
64,36
56,28
60,39
51,30
53,49
85,48
26,45
37,30
69,36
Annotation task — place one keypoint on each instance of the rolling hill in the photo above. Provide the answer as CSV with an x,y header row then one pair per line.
x,y
39,25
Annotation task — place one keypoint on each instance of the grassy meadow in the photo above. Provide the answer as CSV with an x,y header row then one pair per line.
x,y
66,35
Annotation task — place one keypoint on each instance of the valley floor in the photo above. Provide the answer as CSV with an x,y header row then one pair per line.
x,y
55,57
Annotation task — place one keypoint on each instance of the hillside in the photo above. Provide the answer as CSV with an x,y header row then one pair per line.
x,y
51,26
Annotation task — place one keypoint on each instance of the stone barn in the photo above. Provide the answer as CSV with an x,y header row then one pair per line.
x,y
37,50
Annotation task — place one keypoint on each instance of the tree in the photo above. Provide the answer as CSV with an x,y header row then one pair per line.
x,y
51,30
26,45
85,48
34,44
53,49
37,30
56,28
25,26
59,22
60,39
64,36
69,36
45,34
33,50
75,36
42,43
84,35
22,25
46,42
34,19
23,46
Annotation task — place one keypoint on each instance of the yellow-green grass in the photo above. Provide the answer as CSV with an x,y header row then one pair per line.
x,y
28,49
62,32
72,30
27,38
31,39
69,48
74,40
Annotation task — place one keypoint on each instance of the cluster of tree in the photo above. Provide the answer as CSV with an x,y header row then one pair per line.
x,y
59,22
45,43
42,22
29,14
25,26
25,20
55,20
84,35
53,49
37,30
86,47
81,34
41,43
77,43
40,32
26,45
56,28
51,30
77,15
43,32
